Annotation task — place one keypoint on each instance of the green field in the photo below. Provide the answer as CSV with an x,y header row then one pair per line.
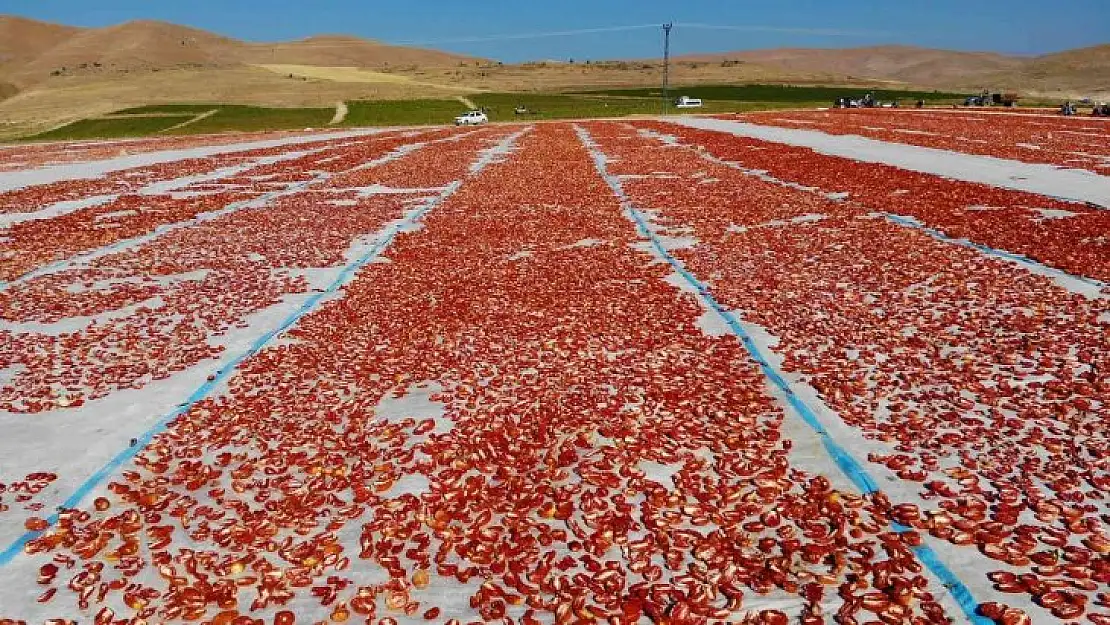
x,y
501,106
780,93
151,120
112,128
252,118
184,109
402,112
540,106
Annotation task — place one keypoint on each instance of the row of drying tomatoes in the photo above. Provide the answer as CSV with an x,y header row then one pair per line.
x,y
516,419
146,312
1066,144
982,384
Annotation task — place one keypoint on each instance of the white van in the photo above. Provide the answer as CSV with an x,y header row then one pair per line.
x,y
471,118
686,102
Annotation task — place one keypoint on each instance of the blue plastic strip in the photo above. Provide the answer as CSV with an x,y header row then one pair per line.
x,y
203,391
93,481
843,458
910,222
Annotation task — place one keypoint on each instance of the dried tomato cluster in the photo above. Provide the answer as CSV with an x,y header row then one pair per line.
x,y
16,157
23,491
35,198
161,303
569,377
516,416
987,385
598,456
1067,142
1075,241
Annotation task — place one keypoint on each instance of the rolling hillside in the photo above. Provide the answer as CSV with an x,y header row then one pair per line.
x,y
51,74
33,52
130,47
22,39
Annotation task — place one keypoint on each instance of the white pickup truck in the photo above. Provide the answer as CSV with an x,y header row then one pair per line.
x,y
686,102
471,118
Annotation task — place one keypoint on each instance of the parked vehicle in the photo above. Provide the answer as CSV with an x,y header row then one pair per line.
x,y
987,98
868,101
471,118
983,99
686,102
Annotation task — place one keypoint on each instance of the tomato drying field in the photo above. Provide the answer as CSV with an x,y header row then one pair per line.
x,y
807,367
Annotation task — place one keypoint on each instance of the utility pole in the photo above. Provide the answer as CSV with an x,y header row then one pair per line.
x,y
666,64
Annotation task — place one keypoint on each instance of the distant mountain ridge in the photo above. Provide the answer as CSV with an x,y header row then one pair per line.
x,y
1085,70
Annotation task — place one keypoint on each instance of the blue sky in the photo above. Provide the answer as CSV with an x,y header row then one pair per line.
x,y
1012,26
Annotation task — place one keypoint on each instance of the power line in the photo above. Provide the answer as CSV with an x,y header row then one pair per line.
x,y
508,37
821,32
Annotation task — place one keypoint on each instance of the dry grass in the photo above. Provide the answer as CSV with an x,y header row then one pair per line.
x,y
565,76
70,99
358,75
339,51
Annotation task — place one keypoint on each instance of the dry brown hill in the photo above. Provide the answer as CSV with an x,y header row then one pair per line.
x,y
35,51
346,51
901,63
129,47
22,39
1088,68
1081,59
50,74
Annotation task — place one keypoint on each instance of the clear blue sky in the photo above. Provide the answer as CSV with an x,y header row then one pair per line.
x,y
1012,26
